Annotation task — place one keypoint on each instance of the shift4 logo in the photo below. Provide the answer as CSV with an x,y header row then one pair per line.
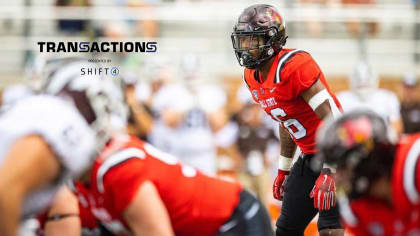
x,y
114,71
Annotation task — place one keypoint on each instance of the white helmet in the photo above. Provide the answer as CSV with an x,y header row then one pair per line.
x,y
363,77
99,100
37,67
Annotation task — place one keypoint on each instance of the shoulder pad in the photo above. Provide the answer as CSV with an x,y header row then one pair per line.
x,y
114,160
244,78
282,61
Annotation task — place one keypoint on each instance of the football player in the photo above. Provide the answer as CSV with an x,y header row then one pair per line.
x,y
45,139
364,93
291,88
379,178
136,189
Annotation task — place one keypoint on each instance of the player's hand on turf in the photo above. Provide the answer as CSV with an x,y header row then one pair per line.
x,y
323,192
278,185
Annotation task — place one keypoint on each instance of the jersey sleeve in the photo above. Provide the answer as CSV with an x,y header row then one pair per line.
x,y
299,74
246,77
59,124
406,174
417,178
416,152
130,174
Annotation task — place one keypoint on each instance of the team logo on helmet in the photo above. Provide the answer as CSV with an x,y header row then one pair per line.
x,y
358,131
278,18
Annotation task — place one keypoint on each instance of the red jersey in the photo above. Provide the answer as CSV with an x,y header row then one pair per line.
x,y
292,72
366,216
197,204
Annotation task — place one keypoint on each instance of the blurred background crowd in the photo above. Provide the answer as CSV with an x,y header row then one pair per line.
x,y
188,98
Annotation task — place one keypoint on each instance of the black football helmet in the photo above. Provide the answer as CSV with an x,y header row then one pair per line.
x,y
360,146
261,27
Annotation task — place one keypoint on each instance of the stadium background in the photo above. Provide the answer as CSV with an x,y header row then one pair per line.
x,y
338,33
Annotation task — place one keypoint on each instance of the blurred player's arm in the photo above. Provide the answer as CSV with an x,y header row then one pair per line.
x,y
146,214
218,119
395,115
63,216
219,123
143,120
398,126
29,165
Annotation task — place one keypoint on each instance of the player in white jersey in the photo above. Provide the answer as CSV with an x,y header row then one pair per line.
x,y
47,138
190,118
365,94
183,128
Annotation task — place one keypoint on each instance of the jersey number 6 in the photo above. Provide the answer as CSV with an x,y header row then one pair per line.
x,y
298,132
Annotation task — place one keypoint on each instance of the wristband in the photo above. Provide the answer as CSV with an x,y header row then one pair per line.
x,y
285,163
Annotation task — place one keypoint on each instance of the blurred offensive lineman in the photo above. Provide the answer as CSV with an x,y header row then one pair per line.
x,y
45,139
379,178
135,189
291,88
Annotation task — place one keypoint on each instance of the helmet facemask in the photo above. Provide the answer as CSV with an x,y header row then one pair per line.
x,y
253,49
99,100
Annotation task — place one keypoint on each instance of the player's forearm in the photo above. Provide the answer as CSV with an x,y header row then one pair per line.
x,y
142,118
398,127
18,178
68,226
10,200
63,216
324,110
151,231
147,214
287,145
